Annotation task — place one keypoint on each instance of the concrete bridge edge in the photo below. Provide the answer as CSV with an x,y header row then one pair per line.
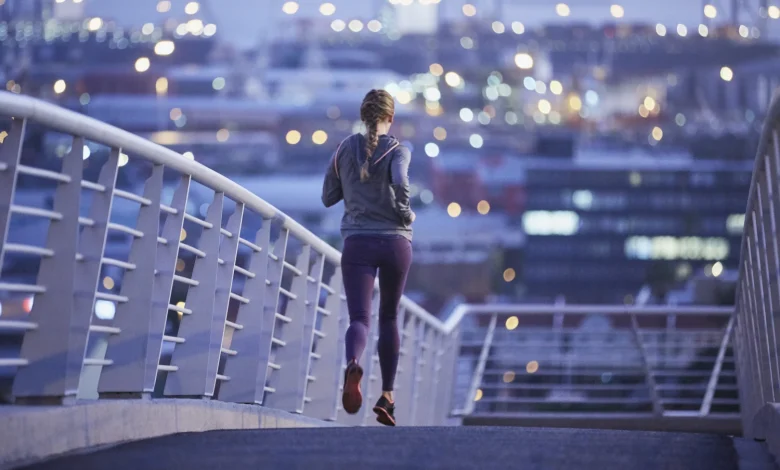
x,y
30,434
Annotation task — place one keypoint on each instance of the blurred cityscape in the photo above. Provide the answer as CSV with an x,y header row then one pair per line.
x,y
565,161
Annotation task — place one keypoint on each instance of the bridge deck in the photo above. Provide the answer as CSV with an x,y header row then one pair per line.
x,y
449,448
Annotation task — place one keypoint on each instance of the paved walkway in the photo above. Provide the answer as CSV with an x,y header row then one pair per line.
x,y
448,448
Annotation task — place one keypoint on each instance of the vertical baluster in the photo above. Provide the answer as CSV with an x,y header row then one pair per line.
x,y
327,368
191,357
64,312
763,296
406,377
271,307
755,332
290,381
772,165
310,330
134,317
750,337
10,154
165,267
245,368
228,252
423,396
446,376
435,380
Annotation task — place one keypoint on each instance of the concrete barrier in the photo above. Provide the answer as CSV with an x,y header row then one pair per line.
x,y
30,434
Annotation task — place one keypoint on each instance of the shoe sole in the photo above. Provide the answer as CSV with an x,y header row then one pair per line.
x,y
352,398
383,416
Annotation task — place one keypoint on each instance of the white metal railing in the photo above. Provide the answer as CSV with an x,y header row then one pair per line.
x,y
758,293
665,361
157,290
231,300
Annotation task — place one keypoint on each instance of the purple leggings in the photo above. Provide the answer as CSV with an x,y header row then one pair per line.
x,y
363,256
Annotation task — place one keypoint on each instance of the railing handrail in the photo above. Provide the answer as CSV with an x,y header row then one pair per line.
x,y
521,309
48,114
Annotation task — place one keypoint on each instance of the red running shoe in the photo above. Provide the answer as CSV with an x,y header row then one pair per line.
x,y
351,397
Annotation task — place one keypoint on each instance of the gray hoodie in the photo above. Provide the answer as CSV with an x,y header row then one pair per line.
x,y
379,205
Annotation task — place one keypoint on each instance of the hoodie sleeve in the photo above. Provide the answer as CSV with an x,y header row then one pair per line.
x,y
331,187
399,176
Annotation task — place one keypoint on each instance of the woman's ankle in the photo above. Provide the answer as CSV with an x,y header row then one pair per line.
x,y
388,396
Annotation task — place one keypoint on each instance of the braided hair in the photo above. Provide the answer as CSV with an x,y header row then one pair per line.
x,y
378,106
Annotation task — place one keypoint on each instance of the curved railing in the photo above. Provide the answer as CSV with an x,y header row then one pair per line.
x,y
758,292
186,285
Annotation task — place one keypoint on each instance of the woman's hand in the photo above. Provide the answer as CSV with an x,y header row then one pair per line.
x,y
414,216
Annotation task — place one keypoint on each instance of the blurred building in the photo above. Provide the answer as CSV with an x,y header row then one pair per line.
x,y
599,227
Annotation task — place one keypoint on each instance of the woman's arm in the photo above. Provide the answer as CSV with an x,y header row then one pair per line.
x,y
399,175
331,187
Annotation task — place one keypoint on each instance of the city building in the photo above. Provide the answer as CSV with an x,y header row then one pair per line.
x,y
600,226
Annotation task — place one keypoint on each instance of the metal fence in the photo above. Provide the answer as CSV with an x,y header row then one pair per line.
x,y
129,270
606,361
758,293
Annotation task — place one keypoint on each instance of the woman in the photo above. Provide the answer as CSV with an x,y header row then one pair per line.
x,y
369,172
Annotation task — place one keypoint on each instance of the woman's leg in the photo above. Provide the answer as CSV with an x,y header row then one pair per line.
x,y
393,271
358,270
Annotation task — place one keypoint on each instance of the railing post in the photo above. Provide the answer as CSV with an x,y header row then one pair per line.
x,y
228,253
433,379
712,384
406,372
754,334
658,408
191,357
246,368
270,310
127,348
291,380
446,377
328,355
479,370
10,154
64,311
419,388
757,271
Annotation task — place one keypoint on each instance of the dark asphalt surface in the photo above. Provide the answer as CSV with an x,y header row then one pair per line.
x,y
449,448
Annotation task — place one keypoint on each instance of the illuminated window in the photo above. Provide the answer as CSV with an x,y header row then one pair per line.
x,y
735,223
582,199
671,248
551,222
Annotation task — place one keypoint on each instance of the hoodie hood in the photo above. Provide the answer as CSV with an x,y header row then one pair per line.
x,y
358,144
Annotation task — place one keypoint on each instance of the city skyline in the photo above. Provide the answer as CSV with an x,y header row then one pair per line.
x,y
241,22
